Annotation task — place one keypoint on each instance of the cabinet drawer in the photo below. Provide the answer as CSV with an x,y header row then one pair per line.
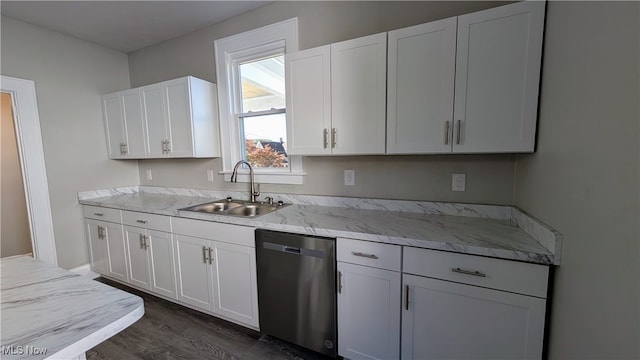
x,y
383,256
513,276
102,213
147,221
233,234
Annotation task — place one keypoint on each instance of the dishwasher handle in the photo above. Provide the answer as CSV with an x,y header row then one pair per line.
x,y
293,250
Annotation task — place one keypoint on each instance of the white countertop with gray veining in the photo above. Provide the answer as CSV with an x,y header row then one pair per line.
x,y
51,313
496,231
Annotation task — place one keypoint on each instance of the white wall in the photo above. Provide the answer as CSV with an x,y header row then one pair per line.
x,y
489,178
584,178
70,75
15,237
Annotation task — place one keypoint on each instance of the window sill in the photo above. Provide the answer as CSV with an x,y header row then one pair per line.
x,y
268,177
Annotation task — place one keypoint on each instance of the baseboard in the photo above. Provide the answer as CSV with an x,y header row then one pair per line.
x,y
85,270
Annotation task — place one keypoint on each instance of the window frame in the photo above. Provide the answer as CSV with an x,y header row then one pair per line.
x,y
229,53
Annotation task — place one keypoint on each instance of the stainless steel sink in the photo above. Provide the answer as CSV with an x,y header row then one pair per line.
x,y
252,210
235,207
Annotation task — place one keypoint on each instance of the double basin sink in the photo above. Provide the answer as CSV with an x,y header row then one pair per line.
x,y
235,207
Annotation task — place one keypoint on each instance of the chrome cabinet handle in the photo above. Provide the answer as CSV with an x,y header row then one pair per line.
x,y
468,272
204,254
142,221
458,136
339,282
168,146
364,255
325,137
334,133
144,240
141,241
100,232
210,256
98,214
406,297
446,133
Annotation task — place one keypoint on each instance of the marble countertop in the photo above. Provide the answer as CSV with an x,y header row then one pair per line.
x,y
484,230
51,313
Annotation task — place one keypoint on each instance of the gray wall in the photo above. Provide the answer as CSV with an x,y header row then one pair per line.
x,y
489,178
15,236
583,179
70,75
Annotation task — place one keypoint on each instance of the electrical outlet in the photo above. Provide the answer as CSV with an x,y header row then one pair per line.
x,y
210,175
149,175
349,177
458,182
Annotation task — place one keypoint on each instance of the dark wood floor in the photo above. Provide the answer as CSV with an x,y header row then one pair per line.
x,y
171,331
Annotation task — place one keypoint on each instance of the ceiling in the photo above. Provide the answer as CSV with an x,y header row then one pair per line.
x,y
125,25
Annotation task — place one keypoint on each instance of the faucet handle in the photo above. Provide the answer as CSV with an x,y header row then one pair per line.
x,y
269,200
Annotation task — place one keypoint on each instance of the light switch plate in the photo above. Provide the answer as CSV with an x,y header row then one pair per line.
x,y
210,175
149,175
458,182
349,177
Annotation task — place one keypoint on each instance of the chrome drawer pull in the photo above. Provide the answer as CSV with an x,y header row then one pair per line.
x,y
204,254
468,272
142,221
406,297
361,254
98,214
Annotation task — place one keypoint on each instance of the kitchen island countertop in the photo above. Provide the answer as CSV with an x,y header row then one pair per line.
x,y
51,313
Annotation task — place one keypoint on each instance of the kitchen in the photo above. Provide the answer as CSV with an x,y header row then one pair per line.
x,y
587,192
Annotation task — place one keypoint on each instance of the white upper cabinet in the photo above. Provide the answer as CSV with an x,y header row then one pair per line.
x,y
175,118
358,92
114,126
421,73
336,98
497,78
308,89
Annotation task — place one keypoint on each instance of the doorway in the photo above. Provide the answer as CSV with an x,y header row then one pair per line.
x,y
30,152
15,235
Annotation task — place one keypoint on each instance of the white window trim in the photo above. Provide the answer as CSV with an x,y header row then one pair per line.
x,y
229,51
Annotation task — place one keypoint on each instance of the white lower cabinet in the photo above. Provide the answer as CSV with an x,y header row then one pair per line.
x,y
464,306
443,319
217,276
107,248
369,295
368,312
150,258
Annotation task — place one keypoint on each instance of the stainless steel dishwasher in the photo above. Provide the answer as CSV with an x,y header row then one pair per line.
x,y
297,289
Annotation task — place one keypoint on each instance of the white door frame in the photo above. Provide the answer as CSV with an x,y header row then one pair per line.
x,y
29,139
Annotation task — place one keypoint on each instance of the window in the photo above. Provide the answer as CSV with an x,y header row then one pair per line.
x,y
250,69
262,119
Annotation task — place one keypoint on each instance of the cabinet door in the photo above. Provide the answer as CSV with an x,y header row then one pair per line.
x,y
97,247
137,257
308,91
421,72
178,117
134,123
193,271
116,249
234,282
153,103
450,320
114,125
160,252
497,77
368,312
358,95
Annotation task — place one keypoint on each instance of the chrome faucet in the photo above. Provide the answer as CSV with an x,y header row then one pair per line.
x,y
234,178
